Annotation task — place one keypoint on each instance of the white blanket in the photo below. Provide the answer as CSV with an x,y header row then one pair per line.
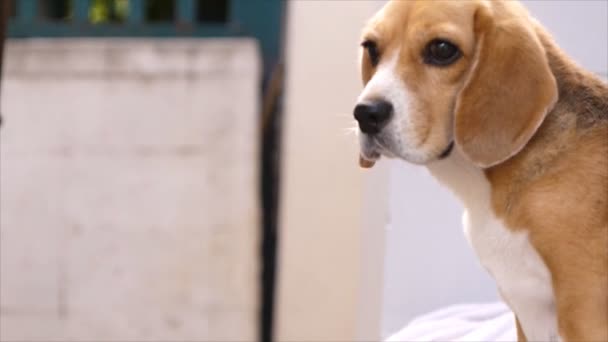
x,y
473,322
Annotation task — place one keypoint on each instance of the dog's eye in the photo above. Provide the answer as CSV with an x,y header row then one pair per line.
x,y
441,53
372,51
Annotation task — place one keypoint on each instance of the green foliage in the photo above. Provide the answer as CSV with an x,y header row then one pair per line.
x,y
103,11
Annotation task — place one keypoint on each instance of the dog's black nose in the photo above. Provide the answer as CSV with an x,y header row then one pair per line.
x,y
372,116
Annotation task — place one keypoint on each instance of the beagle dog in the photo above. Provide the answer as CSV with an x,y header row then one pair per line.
x,y
479,93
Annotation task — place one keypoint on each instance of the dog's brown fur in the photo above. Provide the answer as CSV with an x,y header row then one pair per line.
x,y
550,180
557,189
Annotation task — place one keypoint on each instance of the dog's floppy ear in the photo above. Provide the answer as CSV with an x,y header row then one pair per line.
x,y
508,92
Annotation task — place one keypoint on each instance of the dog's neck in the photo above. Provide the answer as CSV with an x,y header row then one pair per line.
x,y
467,181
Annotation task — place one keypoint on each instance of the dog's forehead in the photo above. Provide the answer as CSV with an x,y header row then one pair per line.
x,y
392,16
396,15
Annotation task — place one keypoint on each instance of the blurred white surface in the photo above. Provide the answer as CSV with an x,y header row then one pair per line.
x,y
490,322
129,190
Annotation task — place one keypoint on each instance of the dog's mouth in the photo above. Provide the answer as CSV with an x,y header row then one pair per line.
x,y
372,148
371,151
368,156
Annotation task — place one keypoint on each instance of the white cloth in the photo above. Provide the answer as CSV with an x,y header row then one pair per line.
x,y
471,322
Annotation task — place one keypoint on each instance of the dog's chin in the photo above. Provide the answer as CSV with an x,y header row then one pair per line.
x,y
372,148
416,158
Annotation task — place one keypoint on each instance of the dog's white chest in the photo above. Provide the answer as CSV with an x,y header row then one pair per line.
x,y
523,279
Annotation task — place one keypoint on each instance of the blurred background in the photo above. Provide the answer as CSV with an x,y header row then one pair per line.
x,y
184,170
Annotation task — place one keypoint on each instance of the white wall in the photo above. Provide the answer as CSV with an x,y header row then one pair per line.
x,y
580,28
428,262
331,212
129,190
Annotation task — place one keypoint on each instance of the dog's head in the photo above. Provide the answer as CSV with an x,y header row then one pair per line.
x,y
437,73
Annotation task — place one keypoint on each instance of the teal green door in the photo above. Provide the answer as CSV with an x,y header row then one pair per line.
x,y
260,19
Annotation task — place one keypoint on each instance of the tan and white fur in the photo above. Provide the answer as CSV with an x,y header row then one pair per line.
x,y
530,158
